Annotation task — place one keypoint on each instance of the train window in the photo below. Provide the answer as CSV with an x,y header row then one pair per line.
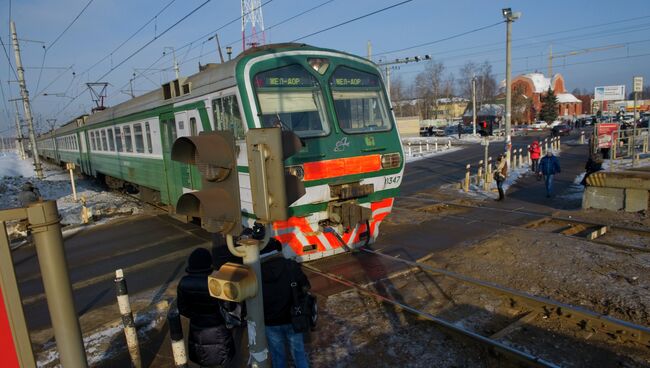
x,y
291,97
111,140
98,140
181,125
359,101
193,128
227,116
139,139
104,143
118,139
92,141
128,143
147,131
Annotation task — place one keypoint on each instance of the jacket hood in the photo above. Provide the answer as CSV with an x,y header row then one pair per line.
x,y
200,261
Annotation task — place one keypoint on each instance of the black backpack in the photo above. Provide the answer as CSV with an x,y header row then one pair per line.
x,y
304,309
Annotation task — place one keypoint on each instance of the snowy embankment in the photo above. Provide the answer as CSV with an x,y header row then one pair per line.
x,y
14,173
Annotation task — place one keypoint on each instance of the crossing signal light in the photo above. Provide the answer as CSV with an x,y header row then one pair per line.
x,y
217,203
233,282
273,188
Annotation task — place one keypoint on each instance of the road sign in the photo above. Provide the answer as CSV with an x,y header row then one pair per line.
x,y
638,84
609,93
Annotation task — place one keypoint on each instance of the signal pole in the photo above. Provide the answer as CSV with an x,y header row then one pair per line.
x,y
25,97
510,17
19,134
474,112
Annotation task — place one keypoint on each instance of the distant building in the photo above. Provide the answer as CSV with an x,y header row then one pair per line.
x,y
535,85
447,108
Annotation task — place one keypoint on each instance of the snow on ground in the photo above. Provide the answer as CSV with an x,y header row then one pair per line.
x,y
56,186
420,148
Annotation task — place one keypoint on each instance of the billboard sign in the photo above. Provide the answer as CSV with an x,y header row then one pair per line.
x,y
609,93
607,133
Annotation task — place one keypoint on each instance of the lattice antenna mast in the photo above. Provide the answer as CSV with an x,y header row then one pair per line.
x,y
251,13
98,94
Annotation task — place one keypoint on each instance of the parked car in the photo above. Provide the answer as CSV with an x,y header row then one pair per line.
x,y
431,131
555,123
560,130
539,125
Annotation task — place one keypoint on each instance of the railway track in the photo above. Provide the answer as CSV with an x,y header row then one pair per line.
x,y
621,237
523,311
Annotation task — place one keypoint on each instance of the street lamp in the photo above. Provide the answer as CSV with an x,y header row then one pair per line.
x,y
509,17
229,52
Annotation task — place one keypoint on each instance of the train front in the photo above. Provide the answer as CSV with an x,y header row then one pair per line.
x,y
352,160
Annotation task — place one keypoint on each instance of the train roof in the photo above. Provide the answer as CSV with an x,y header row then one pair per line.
x,y
213,78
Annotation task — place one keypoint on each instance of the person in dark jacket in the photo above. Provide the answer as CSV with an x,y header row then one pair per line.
x,y
549,166
29,194
277,275
210,342
500,175
460,129
594,164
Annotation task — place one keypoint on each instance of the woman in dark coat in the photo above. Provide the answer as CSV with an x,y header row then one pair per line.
x,y
210,342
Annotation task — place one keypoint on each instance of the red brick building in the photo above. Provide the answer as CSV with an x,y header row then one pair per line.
x,y
535,85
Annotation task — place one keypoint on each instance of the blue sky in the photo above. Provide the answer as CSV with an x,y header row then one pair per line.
x,y
566,25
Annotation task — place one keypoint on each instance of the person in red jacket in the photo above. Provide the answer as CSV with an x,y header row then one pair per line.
x,y
535,151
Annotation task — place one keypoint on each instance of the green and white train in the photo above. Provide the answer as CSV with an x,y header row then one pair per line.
x,y
351,163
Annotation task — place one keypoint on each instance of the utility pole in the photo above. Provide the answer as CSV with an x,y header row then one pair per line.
x,y
25,97
176,68
219,48
19,135
369,50
637,86
510,17
550,61
474,109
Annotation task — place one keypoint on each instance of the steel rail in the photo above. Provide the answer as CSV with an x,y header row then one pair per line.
x,y
587,319
506,350
528,213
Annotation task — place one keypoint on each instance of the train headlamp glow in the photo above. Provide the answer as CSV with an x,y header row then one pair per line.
x,y
319,64
296,171
391,160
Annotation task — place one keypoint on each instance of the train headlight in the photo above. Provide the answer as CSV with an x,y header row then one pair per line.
x,y
296,170
391,160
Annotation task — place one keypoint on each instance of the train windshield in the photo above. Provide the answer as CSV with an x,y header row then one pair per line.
x,y
291,98
359,101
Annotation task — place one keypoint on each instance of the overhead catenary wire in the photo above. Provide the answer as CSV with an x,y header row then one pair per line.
x,y
69,25
353,20
138,51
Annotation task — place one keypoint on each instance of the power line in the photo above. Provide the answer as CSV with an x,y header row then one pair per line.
x,y
137,51
70,25
130,37
8,59
352,20
443,39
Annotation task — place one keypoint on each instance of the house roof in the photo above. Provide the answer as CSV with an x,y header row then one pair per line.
x,y
566,97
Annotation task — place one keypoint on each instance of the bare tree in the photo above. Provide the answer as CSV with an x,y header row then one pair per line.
x,y
429,88
397,95
467,72
486,84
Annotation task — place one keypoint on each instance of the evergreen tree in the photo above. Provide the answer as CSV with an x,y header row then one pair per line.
x,y
548,111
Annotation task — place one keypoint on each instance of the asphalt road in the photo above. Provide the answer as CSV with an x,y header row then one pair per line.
x,y
153,248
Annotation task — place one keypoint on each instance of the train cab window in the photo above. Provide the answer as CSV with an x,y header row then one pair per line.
x,y
147,131
111,140
290,97
104,143
128,143
359,101
118,139
227,116
139,139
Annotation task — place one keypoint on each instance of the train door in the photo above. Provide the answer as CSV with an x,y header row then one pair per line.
x,y
83,152
172,189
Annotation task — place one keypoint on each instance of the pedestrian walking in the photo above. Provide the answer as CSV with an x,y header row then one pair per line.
x,y
210,342
460,129
279,276
549,166
500,175
535,151
29,194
